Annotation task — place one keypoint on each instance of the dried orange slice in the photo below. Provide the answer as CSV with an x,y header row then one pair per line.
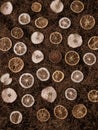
x,y
93,95
41,22
27,100
60,112
56,38
72,58
26,80
20,48
17,32
77,6
15,64
43,74
79,111
5,44
36,7
93,43
43,115
77,76
16,117
58,76
89,58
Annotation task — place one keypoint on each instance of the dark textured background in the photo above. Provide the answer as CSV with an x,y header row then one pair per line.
x,y
30,122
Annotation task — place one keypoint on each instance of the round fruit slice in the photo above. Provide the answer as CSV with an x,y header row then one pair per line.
x,y
17,32
6,8
49,94
36,7
5,44
9,95
37,37
87,22
15,64
89,58
43,74
64,23
72,58
55,38
43,115
58,76
77,6
27,100
37,56
20,48
93,95
41,22
74,40
71,94
93,43
79,111
55,56
57,6
16,117
24,19
26,80
60,112
77,76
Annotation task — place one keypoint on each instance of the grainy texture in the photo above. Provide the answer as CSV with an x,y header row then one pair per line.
x,y
30,122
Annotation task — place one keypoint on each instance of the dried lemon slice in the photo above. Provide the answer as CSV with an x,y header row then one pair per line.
x,y
71,94
26,80
74,40
37,37
24,19
20,48
41,22
49,94
89,58
57,6
6,8
37,56
77,76
58,76
27,100
64,23
9,95
43,74
16,117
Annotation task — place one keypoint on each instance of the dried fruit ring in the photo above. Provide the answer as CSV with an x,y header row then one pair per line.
x,y
60,112
15,64
79,111
5,44
43,115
